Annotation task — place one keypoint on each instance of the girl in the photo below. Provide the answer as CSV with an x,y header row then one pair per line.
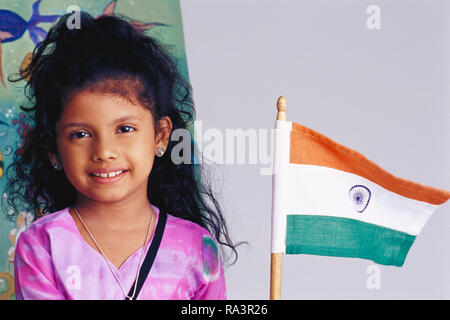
x,y
106,99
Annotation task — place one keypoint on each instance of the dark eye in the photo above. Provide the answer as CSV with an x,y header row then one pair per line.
x,y
129,129
360,197
78,135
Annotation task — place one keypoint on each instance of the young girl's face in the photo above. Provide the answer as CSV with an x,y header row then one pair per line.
x,y
107,133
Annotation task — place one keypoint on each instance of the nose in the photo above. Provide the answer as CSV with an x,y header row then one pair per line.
x,y
104,148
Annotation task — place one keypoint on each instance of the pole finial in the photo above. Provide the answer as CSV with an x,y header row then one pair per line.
x,y
281,107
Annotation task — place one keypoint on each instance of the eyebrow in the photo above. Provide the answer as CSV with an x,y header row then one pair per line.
x,y
82,124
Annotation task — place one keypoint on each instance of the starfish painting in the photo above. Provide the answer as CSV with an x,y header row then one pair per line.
x,y
142,26
108,11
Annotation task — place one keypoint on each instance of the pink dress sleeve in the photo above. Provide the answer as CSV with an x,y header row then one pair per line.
x,y
33,270
212,286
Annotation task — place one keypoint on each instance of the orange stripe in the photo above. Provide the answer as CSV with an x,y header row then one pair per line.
x,y
311,147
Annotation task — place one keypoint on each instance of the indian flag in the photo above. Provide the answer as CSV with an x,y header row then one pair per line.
x,y
330,200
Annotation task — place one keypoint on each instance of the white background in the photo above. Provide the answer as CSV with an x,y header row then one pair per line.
x,y
384,93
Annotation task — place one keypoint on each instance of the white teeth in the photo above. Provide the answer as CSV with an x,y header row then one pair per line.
x,y
109,175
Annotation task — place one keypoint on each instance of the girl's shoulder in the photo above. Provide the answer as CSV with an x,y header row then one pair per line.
x,y
186,232
187,241
184,228
43,225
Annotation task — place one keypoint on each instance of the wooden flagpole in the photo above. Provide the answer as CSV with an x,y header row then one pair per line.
x,y
281,107
276,259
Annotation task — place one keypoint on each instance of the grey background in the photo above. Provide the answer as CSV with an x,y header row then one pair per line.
x,y
384,93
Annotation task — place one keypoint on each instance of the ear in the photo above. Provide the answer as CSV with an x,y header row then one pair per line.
x,y
163,130
53,158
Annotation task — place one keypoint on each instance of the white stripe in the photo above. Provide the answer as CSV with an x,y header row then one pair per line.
x,y
316,190
280,184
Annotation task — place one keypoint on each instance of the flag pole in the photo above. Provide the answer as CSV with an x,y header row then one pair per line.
x,y
281,107
276,259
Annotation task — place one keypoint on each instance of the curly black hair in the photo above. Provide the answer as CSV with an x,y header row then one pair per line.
x,y
110,54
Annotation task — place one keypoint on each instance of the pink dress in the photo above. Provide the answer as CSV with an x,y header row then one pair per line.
x,y
53,261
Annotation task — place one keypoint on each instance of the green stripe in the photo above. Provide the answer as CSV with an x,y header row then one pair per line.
x,y
343,237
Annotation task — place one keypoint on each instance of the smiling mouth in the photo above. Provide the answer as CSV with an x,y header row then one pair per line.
x,y
108,177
